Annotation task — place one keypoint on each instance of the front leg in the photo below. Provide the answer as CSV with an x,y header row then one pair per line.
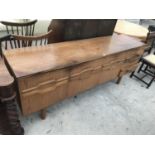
x,y
120,75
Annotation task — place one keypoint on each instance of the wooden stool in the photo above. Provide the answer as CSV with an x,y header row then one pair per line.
x,y
148,63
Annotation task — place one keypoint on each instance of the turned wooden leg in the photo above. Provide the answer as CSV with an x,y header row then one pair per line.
x,y
9,121
9,118
13,119
43,114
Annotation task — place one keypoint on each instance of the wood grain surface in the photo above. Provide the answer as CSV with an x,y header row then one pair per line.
x,y
5,77
42,90
34,60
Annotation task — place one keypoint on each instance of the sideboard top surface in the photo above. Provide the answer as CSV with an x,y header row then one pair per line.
x,y
32,60
5,77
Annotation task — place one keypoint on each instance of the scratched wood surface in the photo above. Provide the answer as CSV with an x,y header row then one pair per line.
x,y
5,77
32,60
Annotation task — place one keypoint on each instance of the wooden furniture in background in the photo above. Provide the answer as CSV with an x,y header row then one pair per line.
x,y
131,29
20,28
76,29
150,39
25,41
148,67
48,74
9,121
16,41
3,40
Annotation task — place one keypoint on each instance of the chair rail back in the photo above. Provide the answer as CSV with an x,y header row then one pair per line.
x,y
24,29
15,41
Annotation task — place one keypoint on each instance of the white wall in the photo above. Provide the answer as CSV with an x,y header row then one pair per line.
x,y
42,26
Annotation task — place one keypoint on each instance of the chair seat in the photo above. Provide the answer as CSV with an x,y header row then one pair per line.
x,y
150,59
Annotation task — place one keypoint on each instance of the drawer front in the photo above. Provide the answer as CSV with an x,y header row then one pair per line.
x,y
39,91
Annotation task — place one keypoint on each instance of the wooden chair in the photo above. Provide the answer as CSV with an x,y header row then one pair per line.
x,y
148,67
147,60
15,41
150,39
2,40
24,28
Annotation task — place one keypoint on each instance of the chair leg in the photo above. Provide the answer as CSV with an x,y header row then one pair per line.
x,y
140,67
43,114
131,75
146,68
119,80
151,82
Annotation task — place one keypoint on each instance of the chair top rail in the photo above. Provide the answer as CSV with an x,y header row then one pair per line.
x,y
31,38
7,23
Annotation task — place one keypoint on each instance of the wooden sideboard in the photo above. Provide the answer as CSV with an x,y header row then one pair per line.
x,y
48,74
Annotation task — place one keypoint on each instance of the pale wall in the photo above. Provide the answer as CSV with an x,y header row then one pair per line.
x,y
41,26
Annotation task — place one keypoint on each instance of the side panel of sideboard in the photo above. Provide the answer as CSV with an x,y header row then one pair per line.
x,y
43,89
